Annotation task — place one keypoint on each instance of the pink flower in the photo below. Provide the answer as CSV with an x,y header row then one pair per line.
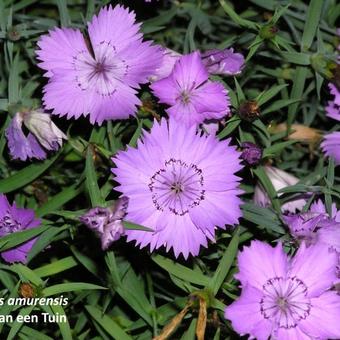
x,y
99,78
14,219
43,135
169,59
181,184
286,298
225,62
192,97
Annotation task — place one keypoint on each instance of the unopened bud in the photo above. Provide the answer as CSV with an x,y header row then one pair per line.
x,y
268,31
249,110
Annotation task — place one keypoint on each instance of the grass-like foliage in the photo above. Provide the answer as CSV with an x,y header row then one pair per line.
x,y
123,292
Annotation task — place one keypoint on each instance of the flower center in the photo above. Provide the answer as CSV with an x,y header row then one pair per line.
x,y
285,301
102,73
178,187
9,225
185,97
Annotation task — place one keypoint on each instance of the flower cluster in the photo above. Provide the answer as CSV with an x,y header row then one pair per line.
x,y
176,178
13,219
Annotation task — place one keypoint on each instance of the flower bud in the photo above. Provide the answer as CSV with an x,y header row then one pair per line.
x,y
249,110
268,31
251,153
323,65
46,132
280,179
13,34
27,290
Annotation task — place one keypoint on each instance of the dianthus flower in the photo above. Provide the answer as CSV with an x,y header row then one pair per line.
x,y
13,219
286,298
43,135
107,222
181,184
98,77
192,97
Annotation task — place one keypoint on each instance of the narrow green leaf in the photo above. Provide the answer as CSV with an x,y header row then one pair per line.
x,y
181,271
311,24
12,240
269,94
225,264
26,175
108,324
235,17
296,57
69,287
59,200
133,226
64,15
91,180
56,267
275,149
16,325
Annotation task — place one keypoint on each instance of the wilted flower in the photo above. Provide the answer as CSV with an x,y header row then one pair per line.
x,y
43,135
280,179
299,132
192,96
169,60
316,226
330,146
103,83
286,298
251,153
107,222
13,219
225,61
249,110
210,127
181,184
333,107
319,207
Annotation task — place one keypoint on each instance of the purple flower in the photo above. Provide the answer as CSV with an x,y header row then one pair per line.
x,y
13,219
330,146
107,222
251,153
223,61
169,59
316,226
319,207
286,298
181,184
302,225
103,83
280,179
333,107
43,135
192,96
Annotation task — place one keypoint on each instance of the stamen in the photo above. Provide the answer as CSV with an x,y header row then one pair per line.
x,y
285,301
177,187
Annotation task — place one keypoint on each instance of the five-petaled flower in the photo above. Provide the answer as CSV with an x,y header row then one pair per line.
x,y
286,298
99,77
192,97
180,184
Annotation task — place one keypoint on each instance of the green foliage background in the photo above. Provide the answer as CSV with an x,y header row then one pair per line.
x,y
127,293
